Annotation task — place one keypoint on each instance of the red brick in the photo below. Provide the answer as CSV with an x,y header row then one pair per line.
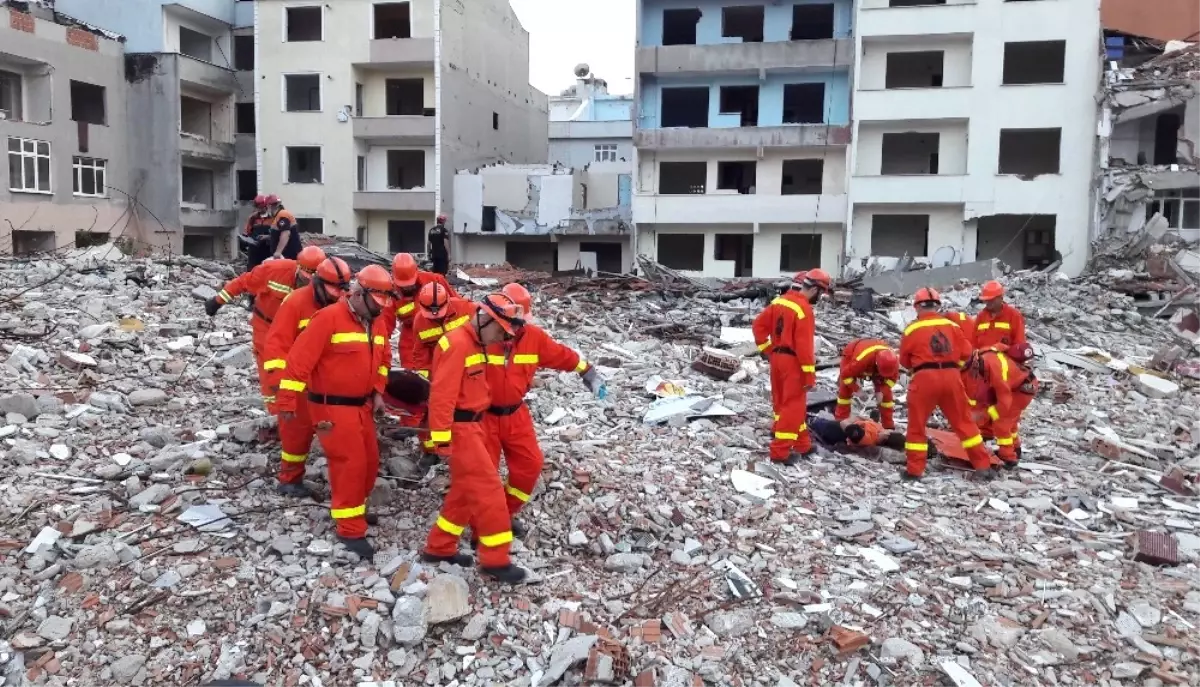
x,y
847,641
1156,548
646,678
569,618
20,21
82,39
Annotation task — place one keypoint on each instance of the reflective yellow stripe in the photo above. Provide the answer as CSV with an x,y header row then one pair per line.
x,y
430,333
972,442
423,373
962,363
292,385
406,308
848,381
455,324
890,382
268,399
379,340
275,364
1004,442
438,436
302,324
845,401
887,404
349,337
517,493
281,288
920,324
997,325
446,526
1003,366
293,457
993,413
808,368
764,345
869,351
383,370
786,436
972,402
582,366
494,540
429,444
497,360
803,428
444,343
224,295
528,359
352,512
473,360
790,306
910,446
777,417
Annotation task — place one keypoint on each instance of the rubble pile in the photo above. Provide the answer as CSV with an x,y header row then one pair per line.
x,y
142,542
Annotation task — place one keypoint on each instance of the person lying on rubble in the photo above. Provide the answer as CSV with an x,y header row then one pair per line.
x,y
856,431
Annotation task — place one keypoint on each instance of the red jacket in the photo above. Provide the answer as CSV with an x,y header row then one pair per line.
x,y
511,365
933,339
406,308
459,381
991,378
1005,327
427,331
291,319
872,431
786,328
858,361
966,322
336,355
269,283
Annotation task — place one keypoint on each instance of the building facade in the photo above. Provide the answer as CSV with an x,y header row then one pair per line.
x,y
972,135
740,134
588,125
366,110
62,114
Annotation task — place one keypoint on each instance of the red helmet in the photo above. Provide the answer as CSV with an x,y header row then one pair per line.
x,y
260,201
926,294
519,295
818,278
376,281
887,365
432,300
990,290
441,219
310,258
404,270
504,311
272,199
1020,352
333,278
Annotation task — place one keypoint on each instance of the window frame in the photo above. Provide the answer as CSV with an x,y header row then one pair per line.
x,y
18,113
49,156
98,166
600,150
287,165
284,21
283,92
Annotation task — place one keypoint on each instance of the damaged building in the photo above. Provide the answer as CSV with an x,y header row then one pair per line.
x,y
546,218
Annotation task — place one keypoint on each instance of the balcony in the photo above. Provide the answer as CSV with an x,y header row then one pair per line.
x,y
909,189
895,104
207,219
735,208
876,18
613,129
206,77
394,201
754,137
196,147
395,130
401,52
745,58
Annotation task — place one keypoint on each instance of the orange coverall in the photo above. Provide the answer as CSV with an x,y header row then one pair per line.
x,y
269,283
872,431
406,310
784,331
858,362
1006,327
426,333
508,425
934,348
296,434
1002,389
458,401
966,322
340,363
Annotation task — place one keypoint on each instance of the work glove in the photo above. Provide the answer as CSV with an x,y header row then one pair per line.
x,y
212,305
592,380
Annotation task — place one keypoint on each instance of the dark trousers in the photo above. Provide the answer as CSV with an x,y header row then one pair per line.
x,y
441,264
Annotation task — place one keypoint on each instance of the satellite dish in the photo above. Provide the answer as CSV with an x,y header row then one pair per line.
x,y
582,70
944,257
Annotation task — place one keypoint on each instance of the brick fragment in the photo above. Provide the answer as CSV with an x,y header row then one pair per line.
x,y
847,641
82,39
678,624
569,618
608,661
1177,481
646,678
1155,548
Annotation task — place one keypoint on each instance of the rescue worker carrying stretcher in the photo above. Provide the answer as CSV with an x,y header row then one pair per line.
x,y
1001,386
268,284
784,332
340,363
438,313
998,322
410,279
508,425
933,348
458,402
868,359
329,285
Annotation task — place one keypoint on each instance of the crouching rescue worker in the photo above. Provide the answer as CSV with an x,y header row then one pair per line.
x,y
998,322
329,285
458,401
933,348
1002,386
340,363
784,332
868,359
508,426
268,284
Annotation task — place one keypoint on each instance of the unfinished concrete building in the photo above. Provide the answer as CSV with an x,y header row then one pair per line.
x,y
546,217
588,124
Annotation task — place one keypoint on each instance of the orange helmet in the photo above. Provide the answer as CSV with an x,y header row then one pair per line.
x,y
376,282
990,290
310,258
505,311
520,295
815,277
432,300
404,270
332,279
926,294
887,365
1020,352
272,199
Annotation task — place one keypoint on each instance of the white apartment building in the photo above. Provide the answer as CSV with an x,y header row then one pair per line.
x,y
365,110
974,130
588,124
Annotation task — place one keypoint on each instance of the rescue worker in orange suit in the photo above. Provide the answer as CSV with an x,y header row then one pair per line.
x,y
329,285
437,314
255,239
285,231
508,426
868,359
784,332
458,402
933,348
998,322
340,364
1001,386
964,322
268,284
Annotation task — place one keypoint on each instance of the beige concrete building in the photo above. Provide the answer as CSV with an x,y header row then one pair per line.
x,y
365,109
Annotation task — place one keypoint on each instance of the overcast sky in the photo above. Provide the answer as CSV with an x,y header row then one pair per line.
x,y
563,33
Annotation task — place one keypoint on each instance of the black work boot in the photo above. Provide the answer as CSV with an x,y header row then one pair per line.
x,y
798,458
519,530
1011,464
985,475
909,477
362,547
297,490
460,559
510,573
